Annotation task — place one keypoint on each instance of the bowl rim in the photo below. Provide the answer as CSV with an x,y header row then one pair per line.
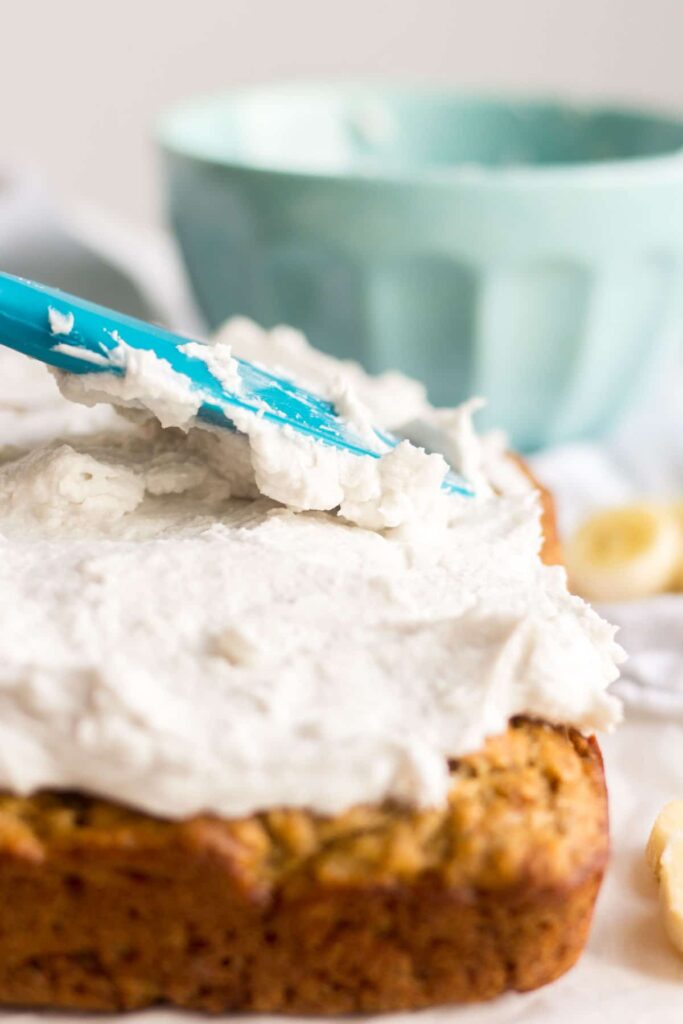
x,y
659,168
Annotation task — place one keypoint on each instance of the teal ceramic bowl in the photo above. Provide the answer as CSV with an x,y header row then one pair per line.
x,y
527,251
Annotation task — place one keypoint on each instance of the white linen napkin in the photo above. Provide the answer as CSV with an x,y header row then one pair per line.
x,y
642,460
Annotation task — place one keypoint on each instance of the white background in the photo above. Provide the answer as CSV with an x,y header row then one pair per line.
x,y
83,80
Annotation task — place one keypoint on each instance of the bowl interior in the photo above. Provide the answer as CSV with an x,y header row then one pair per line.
x,y
365,129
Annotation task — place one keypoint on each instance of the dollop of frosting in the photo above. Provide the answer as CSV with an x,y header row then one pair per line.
x,y
400,487
201,621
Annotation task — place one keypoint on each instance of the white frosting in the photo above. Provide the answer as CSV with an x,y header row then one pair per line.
x,y
175,638
149,385
391,399
60,323
401,487
219,360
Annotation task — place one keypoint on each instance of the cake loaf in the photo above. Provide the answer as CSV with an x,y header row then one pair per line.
x,y
379,908
284,728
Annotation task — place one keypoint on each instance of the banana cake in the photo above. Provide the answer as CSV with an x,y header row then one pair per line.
x,y
279,733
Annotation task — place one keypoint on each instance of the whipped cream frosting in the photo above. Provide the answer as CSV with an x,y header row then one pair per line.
x,y
201,621
401,486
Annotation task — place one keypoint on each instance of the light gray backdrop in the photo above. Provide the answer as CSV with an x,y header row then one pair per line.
x,y
82,80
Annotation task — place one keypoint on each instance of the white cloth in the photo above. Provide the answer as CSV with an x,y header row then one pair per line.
x,y
644,459
629,971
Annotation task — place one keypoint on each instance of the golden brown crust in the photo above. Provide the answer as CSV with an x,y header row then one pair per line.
x,y
551,552
380,908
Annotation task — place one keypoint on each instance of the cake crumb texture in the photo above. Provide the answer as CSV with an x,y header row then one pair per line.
x,y
379,908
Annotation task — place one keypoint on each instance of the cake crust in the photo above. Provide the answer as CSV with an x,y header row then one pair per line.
x,y
103,908
379,908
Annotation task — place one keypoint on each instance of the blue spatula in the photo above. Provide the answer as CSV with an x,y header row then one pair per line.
x,y
80,337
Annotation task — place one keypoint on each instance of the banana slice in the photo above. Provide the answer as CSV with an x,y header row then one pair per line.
x,y
668,826
625,553
671,890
